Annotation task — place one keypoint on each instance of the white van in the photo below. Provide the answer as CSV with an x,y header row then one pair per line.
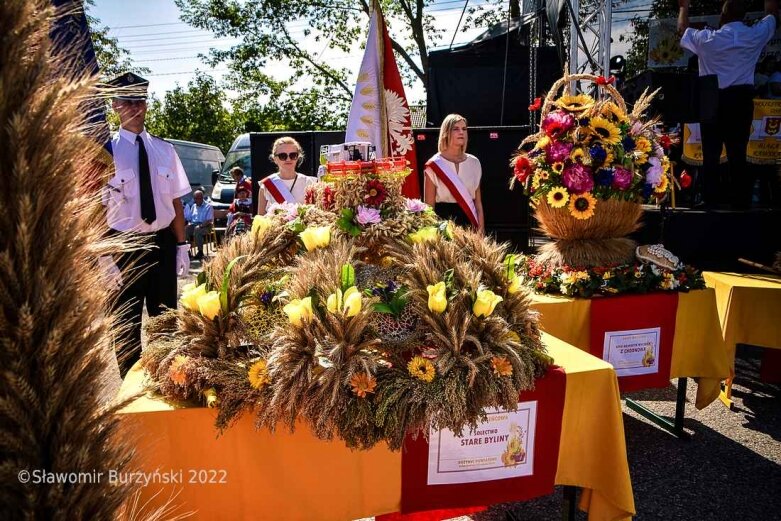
x,y
222,194
200,162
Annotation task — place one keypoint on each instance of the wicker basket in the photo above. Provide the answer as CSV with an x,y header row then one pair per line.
x,y
601,239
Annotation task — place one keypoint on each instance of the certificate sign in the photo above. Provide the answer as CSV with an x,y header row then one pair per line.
x,y
633,352
501,447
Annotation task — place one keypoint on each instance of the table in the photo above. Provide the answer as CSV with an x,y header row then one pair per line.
x,y
698,348
296,476
749,308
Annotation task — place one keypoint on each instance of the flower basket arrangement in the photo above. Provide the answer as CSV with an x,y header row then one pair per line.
x,y
587,171
300,320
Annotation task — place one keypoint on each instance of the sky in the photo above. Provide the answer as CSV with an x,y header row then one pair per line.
x,y
157,39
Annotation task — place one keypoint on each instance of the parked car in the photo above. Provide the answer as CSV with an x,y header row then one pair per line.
x,y
222,193
200,162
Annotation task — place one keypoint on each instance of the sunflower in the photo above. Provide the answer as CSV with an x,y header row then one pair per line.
x,y
640,157
578,103
542,143
558,197
663,184
608,133
544,175
643,144
501,366
176,370
582,206
363,383
421,369
536,182
578,155
557,167
612,112
258,374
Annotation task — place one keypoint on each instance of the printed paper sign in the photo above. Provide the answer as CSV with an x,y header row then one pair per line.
x,y
502,447
633,352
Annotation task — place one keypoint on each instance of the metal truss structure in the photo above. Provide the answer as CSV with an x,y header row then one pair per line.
x,y
589,36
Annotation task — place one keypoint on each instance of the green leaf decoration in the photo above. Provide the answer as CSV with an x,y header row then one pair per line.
x,y
381,307
201,279
346,222
296,225
347,276
509,266
226,283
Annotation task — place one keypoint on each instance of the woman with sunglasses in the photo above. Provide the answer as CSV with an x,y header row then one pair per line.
x,y
287,185
453,177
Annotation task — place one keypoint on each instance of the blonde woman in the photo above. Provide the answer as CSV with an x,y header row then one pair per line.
x,y
287,185
452,185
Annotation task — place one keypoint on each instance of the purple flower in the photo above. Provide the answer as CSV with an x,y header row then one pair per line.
x,y
604,177
289,210
636,128
368,215
653,175
557,123
415,205
558,151
578,179
622,178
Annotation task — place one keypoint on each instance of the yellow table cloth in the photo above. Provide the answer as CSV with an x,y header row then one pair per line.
x,y
749,312
698,346
285,475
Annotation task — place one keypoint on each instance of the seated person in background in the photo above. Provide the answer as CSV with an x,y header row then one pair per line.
x,y
238,177
199,217
240,212
243,184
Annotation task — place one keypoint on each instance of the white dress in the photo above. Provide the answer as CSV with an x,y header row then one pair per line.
x,y
469,172
296,186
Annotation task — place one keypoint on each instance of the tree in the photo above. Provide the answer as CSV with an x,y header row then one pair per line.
x,y
274,30
197,113
637,57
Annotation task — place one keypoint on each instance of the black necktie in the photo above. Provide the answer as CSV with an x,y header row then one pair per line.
x,y
148,213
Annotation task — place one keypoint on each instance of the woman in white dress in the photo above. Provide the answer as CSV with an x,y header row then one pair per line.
x,y
287,185
452,184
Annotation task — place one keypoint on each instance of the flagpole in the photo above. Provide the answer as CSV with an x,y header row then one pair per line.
x,y
384,145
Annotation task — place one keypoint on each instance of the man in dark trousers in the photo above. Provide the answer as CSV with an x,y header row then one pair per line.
x,y
727,58
143,198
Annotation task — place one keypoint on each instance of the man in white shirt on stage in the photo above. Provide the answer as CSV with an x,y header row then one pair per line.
x,y
727,58
143,198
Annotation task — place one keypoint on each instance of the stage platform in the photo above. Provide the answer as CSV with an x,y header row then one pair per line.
x,y
714,240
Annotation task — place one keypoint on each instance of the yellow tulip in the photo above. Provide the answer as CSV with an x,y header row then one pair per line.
x,y
348,303
352,301
190,295
515,285
260,224
316,237
209,304
427,233
298,310
485,303
437,297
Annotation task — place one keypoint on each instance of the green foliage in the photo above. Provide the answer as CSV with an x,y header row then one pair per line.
x,y
197,113
346,222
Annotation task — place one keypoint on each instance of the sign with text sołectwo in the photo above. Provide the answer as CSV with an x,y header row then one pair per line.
x,y
633,352
501,447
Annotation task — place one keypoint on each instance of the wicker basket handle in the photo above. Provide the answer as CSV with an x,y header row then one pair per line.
x,y
567,78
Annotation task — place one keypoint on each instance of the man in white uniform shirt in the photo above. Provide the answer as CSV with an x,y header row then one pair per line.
x,y
727,58
143,198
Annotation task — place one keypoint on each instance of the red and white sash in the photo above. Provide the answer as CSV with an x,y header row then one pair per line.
x,y
453,183
278,190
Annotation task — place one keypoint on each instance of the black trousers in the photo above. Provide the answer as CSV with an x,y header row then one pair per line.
x,y
148,275
453,212
730,126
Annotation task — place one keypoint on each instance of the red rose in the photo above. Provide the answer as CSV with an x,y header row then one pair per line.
x,y
523,168
534,107
685,180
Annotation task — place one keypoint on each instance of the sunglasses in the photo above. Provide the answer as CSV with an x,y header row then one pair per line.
x,y
283,156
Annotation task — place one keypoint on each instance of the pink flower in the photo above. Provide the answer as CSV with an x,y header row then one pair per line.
x,y
558,151
578,179
415,205
635,129
368,215
557,123
622,178
290,210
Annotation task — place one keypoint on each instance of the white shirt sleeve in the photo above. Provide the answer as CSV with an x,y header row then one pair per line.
x,y
766,28
692,38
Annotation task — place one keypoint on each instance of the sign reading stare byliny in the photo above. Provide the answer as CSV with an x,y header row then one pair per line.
x,y
633,352
501,447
